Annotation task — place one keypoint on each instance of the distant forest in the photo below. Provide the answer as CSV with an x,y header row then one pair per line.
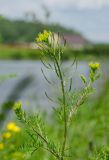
x,y
18,31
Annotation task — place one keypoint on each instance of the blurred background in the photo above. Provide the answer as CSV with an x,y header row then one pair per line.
x,y
85,26
83,23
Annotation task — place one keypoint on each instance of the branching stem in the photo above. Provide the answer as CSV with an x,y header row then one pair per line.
x,y
46,142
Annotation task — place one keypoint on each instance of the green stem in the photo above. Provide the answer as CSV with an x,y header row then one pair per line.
x,y
64,103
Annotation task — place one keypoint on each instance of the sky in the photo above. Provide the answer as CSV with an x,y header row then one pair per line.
x,y
90,17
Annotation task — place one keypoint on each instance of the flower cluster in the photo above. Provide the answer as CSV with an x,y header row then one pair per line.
x,y
43,37
9,142
11,128
94,66
94,74
17,105
7,135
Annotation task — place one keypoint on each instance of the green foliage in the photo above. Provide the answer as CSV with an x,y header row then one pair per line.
x,y
89,131
102,154
83,79
13,31
1,39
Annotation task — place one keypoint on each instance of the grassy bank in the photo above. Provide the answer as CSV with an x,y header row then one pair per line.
x,y
9,52
18,53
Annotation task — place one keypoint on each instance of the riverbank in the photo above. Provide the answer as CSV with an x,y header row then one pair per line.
x,y
20,53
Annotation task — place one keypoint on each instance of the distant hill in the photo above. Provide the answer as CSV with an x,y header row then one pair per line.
x,y
17,31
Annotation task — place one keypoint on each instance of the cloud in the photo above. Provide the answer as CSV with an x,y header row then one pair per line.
x,y
19,7
80,4
14,8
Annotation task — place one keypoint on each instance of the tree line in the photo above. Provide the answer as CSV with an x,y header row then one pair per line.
x,y
20,30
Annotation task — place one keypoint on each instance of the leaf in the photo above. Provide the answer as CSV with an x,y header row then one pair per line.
x,y
83,79
97,76
70,85
45,76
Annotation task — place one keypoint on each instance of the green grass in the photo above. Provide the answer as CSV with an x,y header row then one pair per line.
x,y
89,132
16,53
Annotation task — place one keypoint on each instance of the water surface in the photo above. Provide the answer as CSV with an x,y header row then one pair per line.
x,y
30,85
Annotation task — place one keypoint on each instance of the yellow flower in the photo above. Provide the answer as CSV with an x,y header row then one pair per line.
x,y
1,146
12,127
6,135
94,66
43,37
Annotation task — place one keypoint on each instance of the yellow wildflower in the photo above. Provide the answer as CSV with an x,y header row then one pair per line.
x,y
94,66
1,146
43,37
11,126
6,135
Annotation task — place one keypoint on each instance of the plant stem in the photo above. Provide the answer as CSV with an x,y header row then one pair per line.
x,y
46,142
78,103
64,104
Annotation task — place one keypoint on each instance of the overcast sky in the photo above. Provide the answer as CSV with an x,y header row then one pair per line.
x,y
91,17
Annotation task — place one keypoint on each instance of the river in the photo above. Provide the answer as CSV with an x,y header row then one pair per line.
x,y
29,85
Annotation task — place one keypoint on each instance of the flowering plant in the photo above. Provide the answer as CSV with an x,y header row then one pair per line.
x,y
68,103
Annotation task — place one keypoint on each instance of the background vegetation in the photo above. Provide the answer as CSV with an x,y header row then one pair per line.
x,y
17,31
18,53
